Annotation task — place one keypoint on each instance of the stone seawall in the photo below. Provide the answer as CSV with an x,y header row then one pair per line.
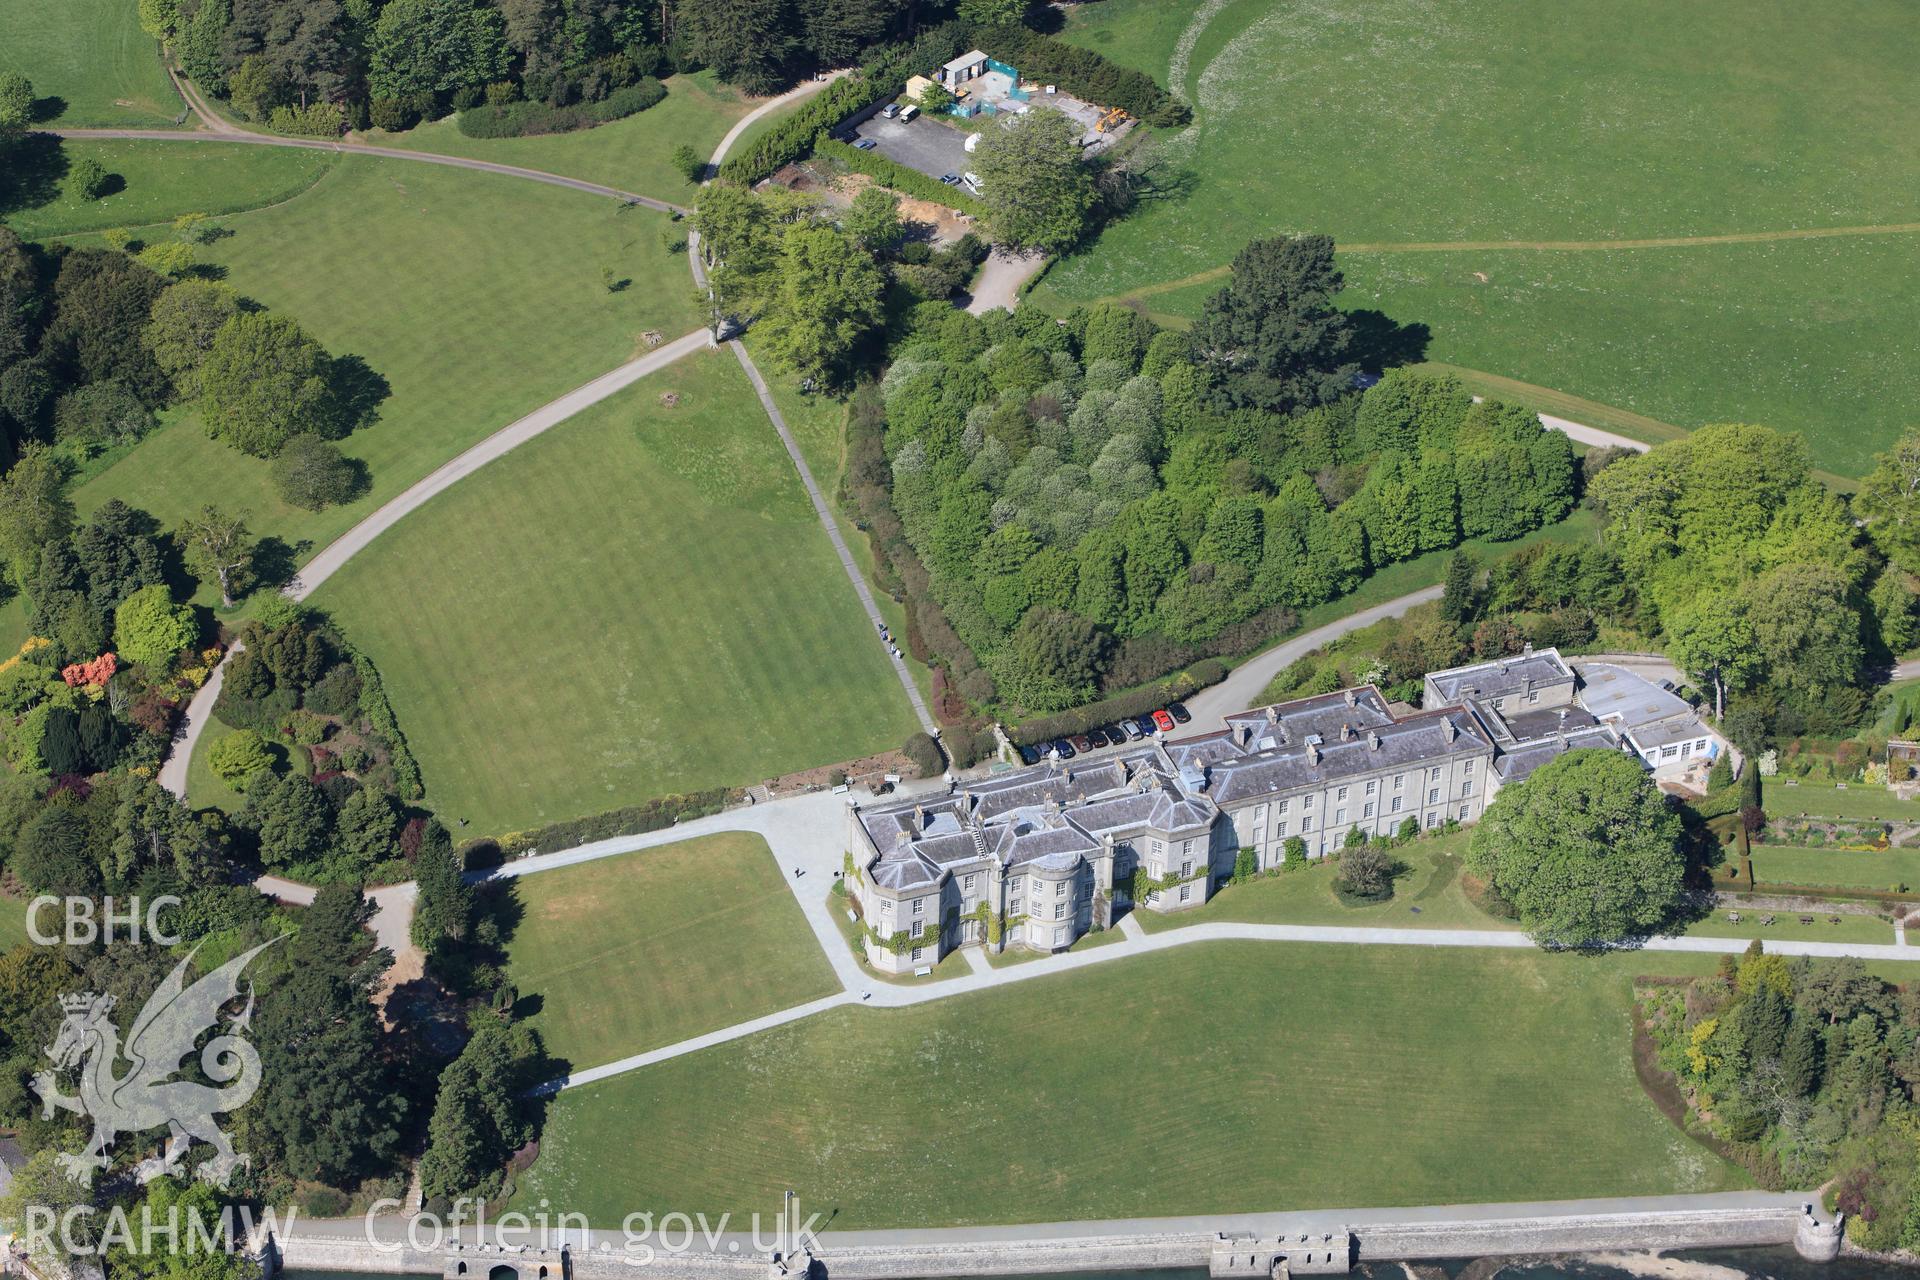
x,y
1249,1245
1711,1229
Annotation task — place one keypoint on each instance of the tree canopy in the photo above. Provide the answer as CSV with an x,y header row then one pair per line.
x,y
1586,849
1274,333
1038,191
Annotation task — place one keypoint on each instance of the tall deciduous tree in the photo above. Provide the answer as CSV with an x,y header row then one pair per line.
x,y
1585,849
263,381
16,105
1273,333
1889,500
433,46
1038,193
34,509
184,321
1713,642
220,544
828,302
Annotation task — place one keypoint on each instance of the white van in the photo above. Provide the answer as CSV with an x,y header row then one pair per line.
x,y
908,113
972,180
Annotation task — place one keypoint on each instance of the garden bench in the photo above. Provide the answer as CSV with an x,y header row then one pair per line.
x,y
1766,919
1806,919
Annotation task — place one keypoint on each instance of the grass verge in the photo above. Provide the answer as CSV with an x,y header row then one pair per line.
x,y
1283,1074
627,954
638,602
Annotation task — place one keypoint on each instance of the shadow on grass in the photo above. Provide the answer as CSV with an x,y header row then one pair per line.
x,y
31,170
359,389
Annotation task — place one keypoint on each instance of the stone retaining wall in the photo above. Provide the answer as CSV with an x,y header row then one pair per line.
x,y
1014,1254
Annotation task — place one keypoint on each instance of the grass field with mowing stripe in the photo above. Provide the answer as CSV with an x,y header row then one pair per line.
x,y
478,298
1794,864
166,179
638,602
1787,799
633,154
1282,1075
92,60
1494,121
627,954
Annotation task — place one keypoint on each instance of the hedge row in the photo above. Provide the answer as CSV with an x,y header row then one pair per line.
x,y
528,119
892,174
632,820
1083,73
1135,703
791,138
379,713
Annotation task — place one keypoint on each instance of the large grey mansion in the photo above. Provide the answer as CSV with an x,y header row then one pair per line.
x,y
1038,856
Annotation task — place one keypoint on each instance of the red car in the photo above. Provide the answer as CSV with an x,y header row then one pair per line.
x,y
1163,720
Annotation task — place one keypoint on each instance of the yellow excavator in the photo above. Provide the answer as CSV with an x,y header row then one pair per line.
x,y
1112,120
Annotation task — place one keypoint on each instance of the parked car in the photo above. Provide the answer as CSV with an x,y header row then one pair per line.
x,y
1029,755
1099,738
951,179
891,110
1132,729
1163,721
1180,714
1081,742
865,144
909,114
1145,725
1063,748
1116,735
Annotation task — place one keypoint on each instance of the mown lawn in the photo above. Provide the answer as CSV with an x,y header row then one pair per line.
x,y
818,423
1783,798
638,602
477,298
1791,864
1427,896
628,954
165,179
634,154
1496,122
1430,895
1284,1076
89,62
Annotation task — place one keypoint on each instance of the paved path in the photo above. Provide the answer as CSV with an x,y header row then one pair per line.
x,y
510,437
1244,684
832,527
772,104
815,495
1000,279
388,153
173,774
808,837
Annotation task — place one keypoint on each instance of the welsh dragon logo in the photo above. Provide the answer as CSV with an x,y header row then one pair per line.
x,y
144,1097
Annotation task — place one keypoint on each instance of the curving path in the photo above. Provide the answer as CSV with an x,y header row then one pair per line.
x,y
1244,684
807,835
173,774
388,153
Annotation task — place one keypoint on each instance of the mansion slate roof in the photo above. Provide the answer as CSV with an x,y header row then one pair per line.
x,y
1054,814
1501,677
1517,762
